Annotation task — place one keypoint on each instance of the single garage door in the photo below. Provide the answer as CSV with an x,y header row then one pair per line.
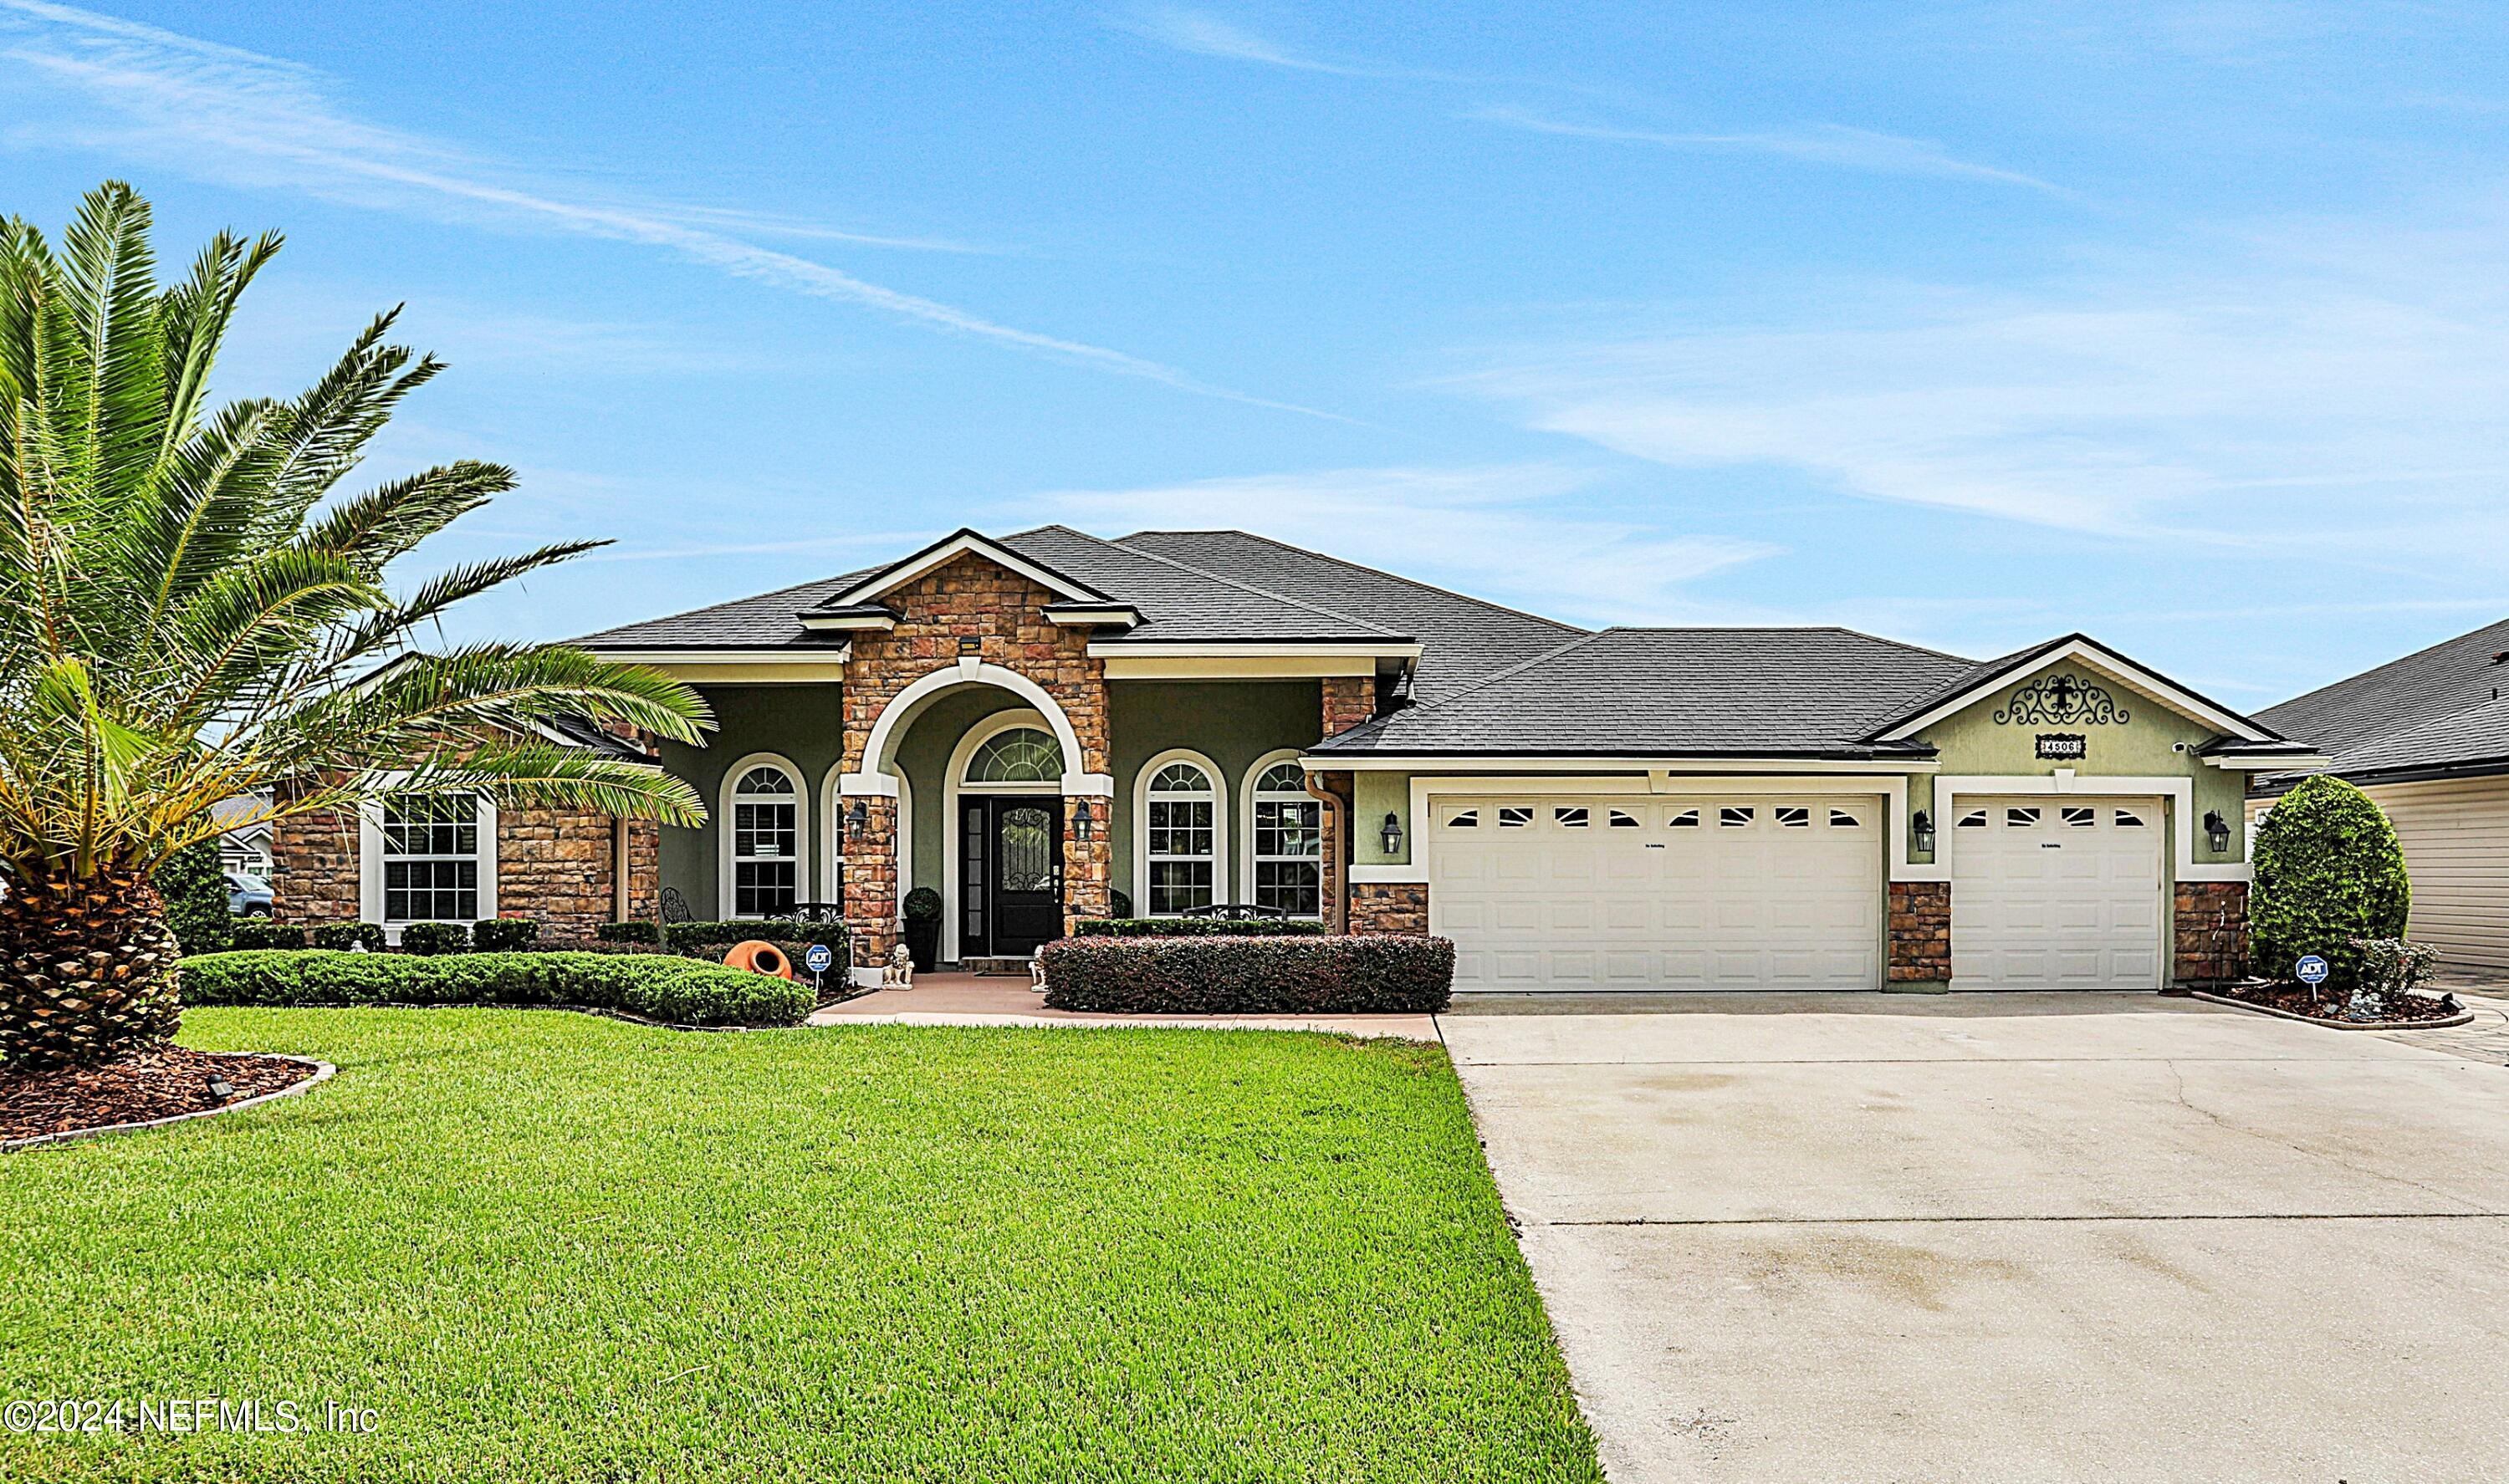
x,y
1615,892
2056,894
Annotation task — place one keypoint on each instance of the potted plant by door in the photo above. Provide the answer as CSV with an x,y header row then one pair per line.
x,y
923,927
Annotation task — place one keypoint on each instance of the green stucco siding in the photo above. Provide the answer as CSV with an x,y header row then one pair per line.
x,y
804,724
1374,796
1232,723
923,758
2154,741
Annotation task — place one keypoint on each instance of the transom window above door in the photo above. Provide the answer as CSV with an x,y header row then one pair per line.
x,y
1180,823
1288,845
1021,754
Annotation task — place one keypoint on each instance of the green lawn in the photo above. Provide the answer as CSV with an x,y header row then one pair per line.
x,y
545,1245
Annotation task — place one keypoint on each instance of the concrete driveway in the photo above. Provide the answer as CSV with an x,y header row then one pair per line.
x,y
2008,1237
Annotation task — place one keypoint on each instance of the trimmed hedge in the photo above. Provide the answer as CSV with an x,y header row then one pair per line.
x,y
1352,975
2328,873
504,935
194,887
349,935
1197,927
428,939
658,987
262,933
707,935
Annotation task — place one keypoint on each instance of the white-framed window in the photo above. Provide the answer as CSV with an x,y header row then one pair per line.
x,y
1571,818
1735,816
1184,836
1286,839
1844,819
1974,819
766,834
2079,816
1514,816
2129,819
1464,819
1622,819
427,858
1683,819
2021,818
1794,816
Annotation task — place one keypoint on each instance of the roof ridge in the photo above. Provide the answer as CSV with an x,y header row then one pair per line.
x,y
1248,587
1325,556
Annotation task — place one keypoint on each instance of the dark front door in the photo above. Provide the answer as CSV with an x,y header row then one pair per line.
x,y
1010,874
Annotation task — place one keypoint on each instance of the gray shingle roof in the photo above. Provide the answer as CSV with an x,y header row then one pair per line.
x,y
2438,707
1462,639
1182,603
763,622
1678,693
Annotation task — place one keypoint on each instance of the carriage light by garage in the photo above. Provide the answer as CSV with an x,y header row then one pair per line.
x,y
1392,834
1923,823
2216,831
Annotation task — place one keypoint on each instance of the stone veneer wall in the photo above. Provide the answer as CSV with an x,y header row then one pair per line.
x,y
558,866
1349,700
970,599
2209,932
1920,933
1390,906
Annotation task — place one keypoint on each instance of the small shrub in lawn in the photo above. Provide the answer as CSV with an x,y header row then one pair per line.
x,y
2393,967
1282,975
194,887
343,936
434,938
1197,927
2328,871
658,987
262,933
629,932
505,934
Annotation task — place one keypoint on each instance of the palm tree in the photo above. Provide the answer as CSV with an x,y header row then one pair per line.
x,y
187,616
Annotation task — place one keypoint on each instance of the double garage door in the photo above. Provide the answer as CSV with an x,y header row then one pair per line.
x,y
1622,892
1647,893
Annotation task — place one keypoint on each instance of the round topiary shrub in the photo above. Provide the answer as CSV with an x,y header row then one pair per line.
x,y
2328,871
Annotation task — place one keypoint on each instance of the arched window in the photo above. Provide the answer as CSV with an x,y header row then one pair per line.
x,y
766,824
1288,840
1021,754
1180,837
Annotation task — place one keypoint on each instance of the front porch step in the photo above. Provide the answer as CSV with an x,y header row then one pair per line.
x,y
1016,966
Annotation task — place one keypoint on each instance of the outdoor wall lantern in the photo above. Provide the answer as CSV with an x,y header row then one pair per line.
x,y
1084,823
857,817
1392,834
1923,823
2216,831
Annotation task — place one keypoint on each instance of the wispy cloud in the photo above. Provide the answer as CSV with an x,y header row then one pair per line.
x,y
1834,144
264,122
1521,532
1203,34
2328,390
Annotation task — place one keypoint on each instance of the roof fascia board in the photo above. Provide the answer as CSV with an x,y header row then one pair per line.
x,y
958,543
1371,648
1634,767
878,623
1093,616
2081,649
2270,763
1225,667
828,654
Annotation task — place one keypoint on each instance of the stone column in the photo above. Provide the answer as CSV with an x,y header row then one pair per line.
x,y
1349,700
1088,866
1397,908
1921,936
2209,933
871,880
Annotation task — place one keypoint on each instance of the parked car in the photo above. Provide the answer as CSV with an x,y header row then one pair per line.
x,y
247,895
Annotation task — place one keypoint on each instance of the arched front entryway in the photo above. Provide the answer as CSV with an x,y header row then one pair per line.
x,y
1042,837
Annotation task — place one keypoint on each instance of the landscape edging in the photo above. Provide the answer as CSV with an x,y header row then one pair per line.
x,y
2461,1018
322,1072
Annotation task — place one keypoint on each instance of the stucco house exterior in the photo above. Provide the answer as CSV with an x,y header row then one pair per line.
x,y
2427,737
1035,725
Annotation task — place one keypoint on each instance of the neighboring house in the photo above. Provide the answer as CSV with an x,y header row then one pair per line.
x,y
245,846
2427,737
1031,724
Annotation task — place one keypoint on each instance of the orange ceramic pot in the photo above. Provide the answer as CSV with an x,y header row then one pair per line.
x,y
759,958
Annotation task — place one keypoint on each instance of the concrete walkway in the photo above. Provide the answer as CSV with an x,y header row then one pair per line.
x,y
974,999
2008,1237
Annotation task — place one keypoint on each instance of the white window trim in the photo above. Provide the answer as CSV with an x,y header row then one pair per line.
x,y
370,865
1142,827
1248,796
731,776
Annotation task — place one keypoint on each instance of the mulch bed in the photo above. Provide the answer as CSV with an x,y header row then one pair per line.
x,y
159,1082
2299,999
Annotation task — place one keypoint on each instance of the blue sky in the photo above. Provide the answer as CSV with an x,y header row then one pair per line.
x,y
2187,325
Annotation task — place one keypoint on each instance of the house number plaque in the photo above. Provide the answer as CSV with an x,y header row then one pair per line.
x,y
2065,746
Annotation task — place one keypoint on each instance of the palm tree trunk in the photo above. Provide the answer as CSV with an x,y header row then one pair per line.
x,y
88,969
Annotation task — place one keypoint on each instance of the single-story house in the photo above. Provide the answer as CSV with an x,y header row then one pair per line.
x,y
2427,737
1048,725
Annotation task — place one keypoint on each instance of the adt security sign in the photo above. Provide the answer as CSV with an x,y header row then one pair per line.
x,y
2310,970
817,960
